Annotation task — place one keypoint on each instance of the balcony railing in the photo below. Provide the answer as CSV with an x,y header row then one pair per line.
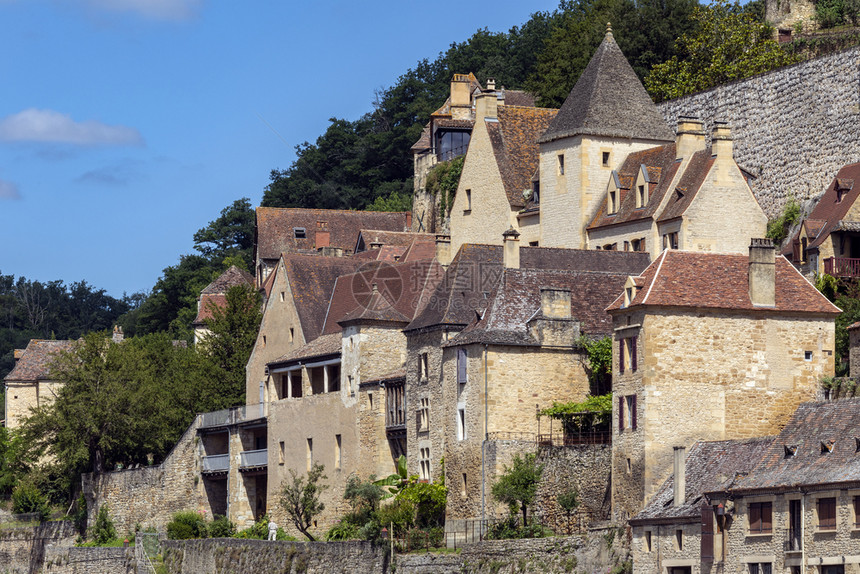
x,y
794,543
216,463
251,458
235,415
842,266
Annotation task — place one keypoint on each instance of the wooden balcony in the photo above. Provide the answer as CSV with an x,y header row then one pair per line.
x,y
842,266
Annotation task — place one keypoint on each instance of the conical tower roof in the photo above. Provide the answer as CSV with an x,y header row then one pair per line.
x,y
609,100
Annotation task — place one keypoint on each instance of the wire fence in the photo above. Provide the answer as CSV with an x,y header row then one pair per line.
x,y
147,549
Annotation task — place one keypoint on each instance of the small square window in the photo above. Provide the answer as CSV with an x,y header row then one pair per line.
x,y
299,233
807,355
647,541
679,539
561,164
606,158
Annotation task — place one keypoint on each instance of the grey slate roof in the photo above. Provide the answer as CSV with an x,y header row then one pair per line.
x,y
609,100
710,466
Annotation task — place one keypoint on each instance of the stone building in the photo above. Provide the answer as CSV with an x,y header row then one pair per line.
x,y
606,117
447,136
828,240
709,347
674,197
214,296
495,189
791,503
29,383
314,231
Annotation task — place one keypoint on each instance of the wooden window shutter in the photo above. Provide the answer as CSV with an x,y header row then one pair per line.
x,y
633,412
634,359
461,365
621,413
621,345
755,517
642,245
766,517
707,550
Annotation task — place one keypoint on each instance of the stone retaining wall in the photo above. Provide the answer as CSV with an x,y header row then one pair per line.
x,y
22,550
89,561
794,127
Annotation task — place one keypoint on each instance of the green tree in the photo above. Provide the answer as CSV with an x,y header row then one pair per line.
x,y
300,497
27,499
568,501
231,235
517,486
728,44
232,334
104,530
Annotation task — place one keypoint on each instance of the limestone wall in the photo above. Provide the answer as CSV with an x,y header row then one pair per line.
x,y
89,561
228,556
793,127
149,496
22,550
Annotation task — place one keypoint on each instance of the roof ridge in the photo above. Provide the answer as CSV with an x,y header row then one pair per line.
x,y
656,274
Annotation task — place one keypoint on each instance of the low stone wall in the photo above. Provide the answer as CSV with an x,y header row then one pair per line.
x,y
149,496
89,561
22,550
229,556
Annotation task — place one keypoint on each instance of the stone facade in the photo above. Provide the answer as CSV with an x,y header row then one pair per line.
x,y
23,550
751,375
793,127
89,561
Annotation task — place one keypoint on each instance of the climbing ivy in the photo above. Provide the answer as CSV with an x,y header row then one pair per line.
x,y
443,180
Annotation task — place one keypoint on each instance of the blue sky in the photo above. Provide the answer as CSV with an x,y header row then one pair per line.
x,y
126,125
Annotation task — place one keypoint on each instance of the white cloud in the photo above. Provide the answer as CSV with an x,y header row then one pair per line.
x,y
152,9
50,126
9,190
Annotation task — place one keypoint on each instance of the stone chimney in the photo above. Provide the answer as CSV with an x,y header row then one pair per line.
x,y
722,145
680,479
762,273
443,249
323,237
486,106
511,255
117,336
690,137
555,303
461,94
491,84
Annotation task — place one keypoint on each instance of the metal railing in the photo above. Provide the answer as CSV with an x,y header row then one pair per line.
x,y
842,266
250,458
146,548
571,439
232,416
216,463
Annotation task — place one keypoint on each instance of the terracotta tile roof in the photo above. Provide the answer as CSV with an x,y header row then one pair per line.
x,y
829,209
230,278
609,100
395,376
689,185
402,291
853,326
275,228
721,281
476,269
514,140
312,279
424,143
519,98
387,253
323,346
449,123
662,167
214,293
366,237
812,429
421,249
709,466
516,299
36,359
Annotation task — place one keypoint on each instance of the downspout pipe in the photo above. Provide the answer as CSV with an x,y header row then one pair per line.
x,y
484,444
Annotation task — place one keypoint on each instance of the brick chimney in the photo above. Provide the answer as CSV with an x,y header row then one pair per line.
x,y
323,237
690,137
680,478
443,249
762,273
511,255
722,145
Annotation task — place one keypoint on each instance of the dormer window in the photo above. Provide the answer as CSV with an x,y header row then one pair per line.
x,y
612,203
536,192
840,193
629,295
641,196
299,233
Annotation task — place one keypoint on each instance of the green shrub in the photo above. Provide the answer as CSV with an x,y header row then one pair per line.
x,y
260,531
27,498
343,530
399,512
221,527
104,531
80,515
777,229
829,13
187,524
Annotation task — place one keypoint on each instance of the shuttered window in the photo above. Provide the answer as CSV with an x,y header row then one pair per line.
x,y
827,514
707,550
633,412
461,365
634,362
621,344
620,413
761,517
